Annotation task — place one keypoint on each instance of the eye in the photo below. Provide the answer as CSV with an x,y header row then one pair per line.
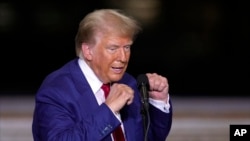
x,y
112,49
127,48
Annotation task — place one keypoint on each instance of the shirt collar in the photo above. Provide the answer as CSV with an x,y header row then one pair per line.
x,y
92,79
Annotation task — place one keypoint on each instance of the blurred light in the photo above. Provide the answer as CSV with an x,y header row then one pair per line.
x,y
7,17
146,11
48,17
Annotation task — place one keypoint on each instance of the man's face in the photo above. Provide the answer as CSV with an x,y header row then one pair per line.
x,y
110,56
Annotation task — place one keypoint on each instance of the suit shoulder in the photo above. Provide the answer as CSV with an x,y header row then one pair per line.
x,y
128,79
61,75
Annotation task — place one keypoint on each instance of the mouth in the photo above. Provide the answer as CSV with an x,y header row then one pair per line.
x,y
118,70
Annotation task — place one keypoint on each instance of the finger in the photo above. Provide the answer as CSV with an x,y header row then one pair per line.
x,y
129,95
157,82
130,100
163,84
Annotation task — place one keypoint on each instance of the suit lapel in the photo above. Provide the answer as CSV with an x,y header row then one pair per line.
x,y
87,99
89,103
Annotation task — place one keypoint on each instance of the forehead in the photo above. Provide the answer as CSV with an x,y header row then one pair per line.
x,y
114,38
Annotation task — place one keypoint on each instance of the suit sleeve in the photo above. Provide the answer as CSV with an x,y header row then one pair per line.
x,y
160,123
56,119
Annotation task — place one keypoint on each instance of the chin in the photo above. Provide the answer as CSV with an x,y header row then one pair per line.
x,y
116,77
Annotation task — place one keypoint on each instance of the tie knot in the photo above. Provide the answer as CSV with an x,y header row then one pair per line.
x,y
106,89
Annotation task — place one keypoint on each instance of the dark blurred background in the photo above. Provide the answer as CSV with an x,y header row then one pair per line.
x,y
201,46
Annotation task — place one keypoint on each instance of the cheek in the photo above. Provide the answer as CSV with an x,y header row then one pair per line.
x,y
127,56
103,61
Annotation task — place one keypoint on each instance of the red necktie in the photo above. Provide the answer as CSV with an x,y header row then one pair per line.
x,y
117,134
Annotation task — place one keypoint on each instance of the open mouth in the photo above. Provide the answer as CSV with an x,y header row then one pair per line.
x,y
117,69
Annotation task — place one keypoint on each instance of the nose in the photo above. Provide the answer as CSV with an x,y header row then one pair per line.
x,y
123,55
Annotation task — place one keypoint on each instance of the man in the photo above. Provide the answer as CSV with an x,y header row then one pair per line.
x,y
70,104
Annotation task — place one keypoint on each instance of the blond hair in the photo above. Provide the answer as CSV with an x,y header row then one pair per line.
x,y
104,20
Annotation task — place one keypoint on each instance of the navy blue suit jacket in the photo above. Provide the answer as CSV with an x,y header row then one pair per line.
x,y
66,110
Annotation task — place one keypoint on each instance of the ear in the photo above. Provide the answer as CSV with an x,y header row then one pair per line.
x,y
87,51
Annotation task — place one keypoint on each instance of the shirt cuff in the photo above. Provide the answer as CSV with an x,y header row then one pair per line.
x,y
161,105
